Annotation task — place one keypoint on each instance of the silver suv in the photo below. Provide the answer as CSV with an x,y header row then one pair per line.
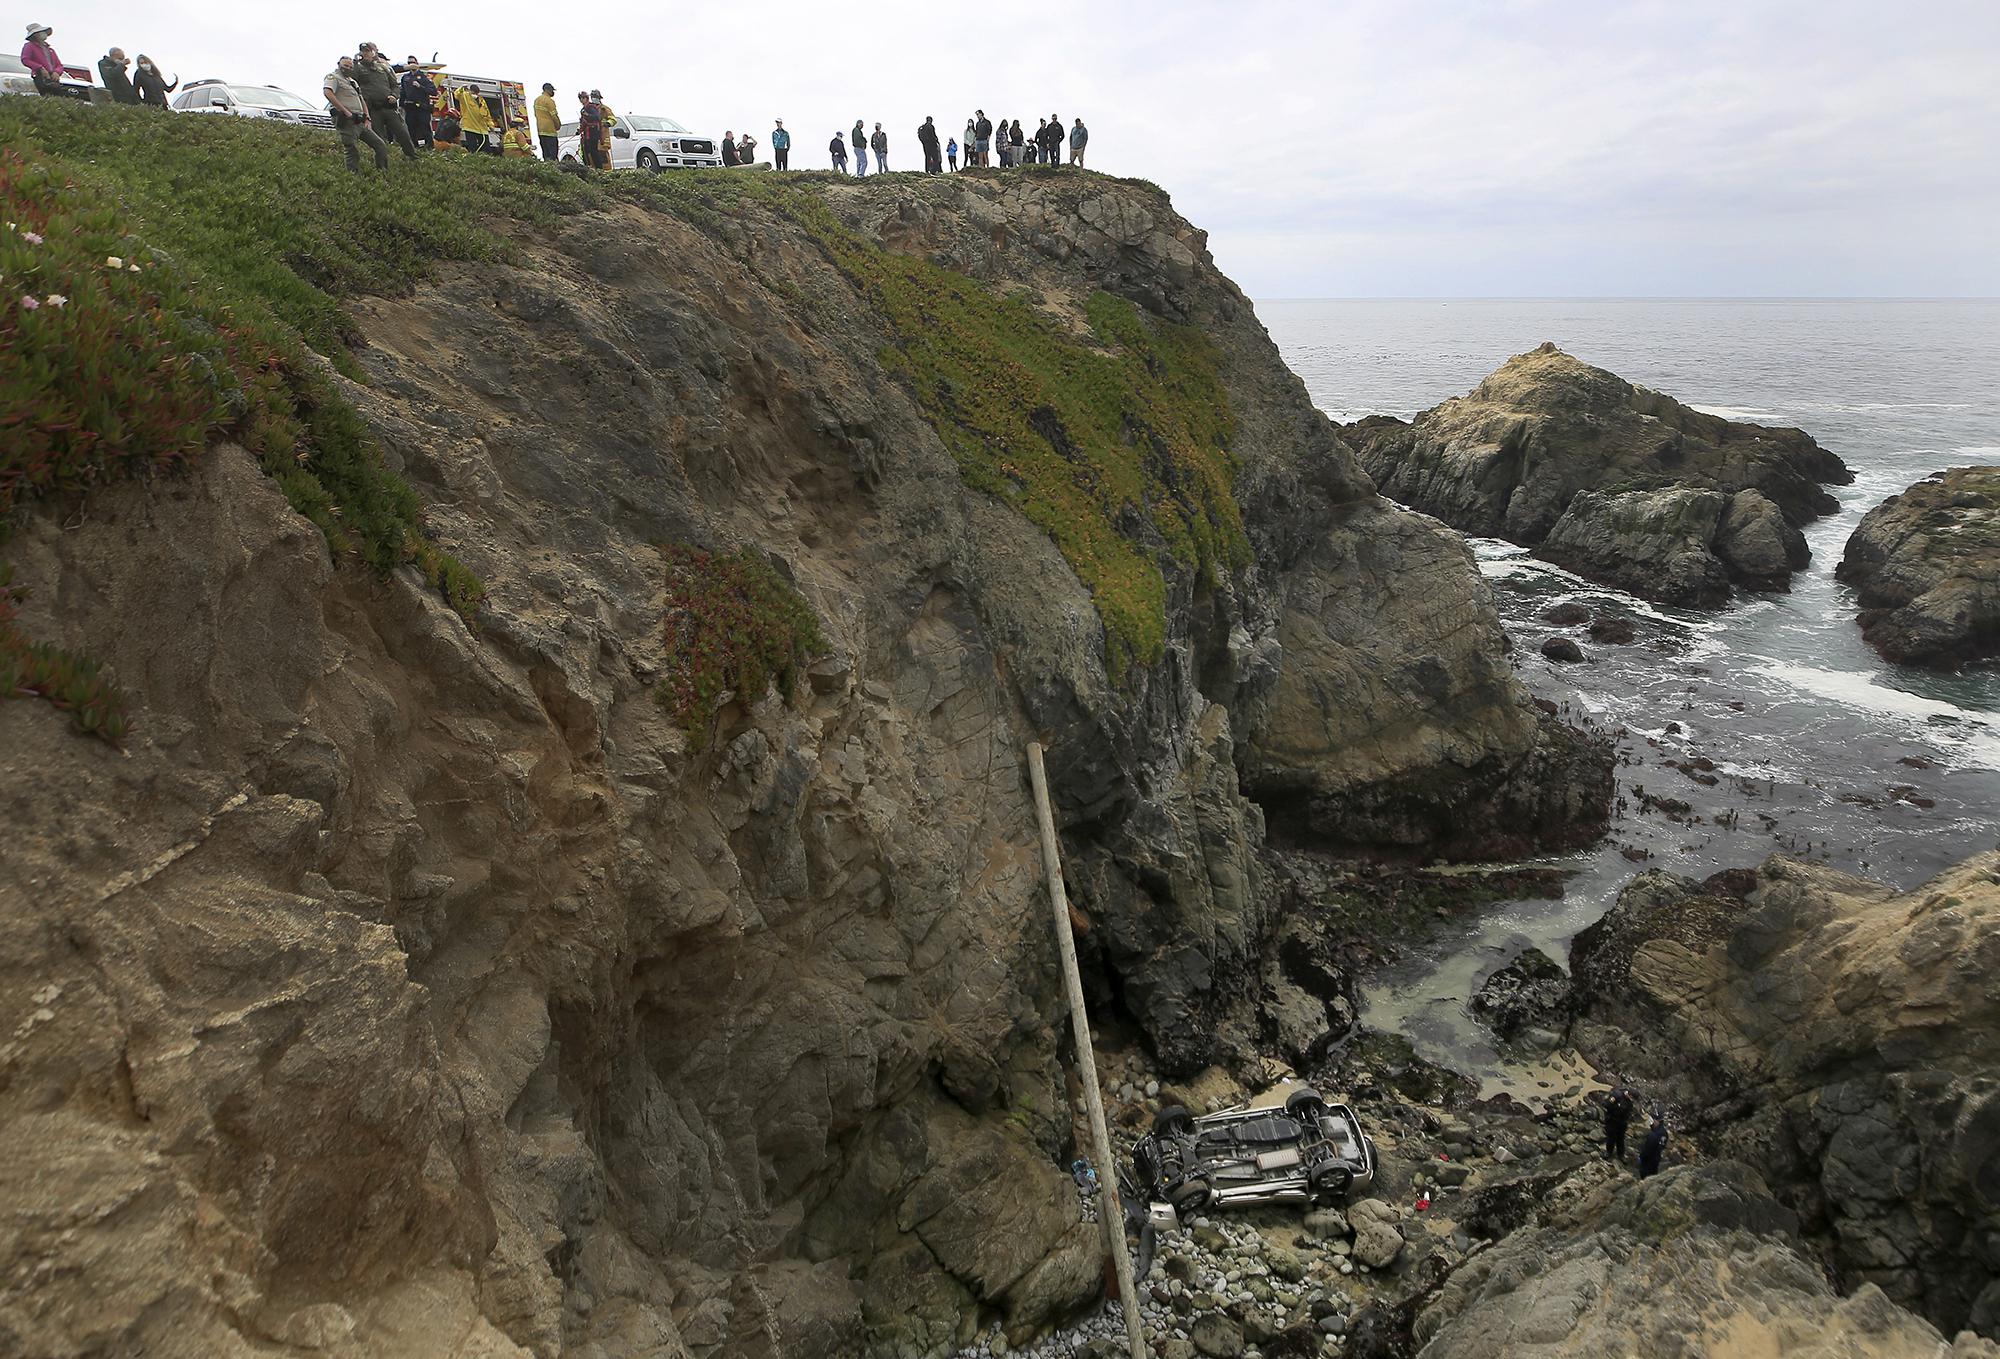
x,y
1309,1151
251,101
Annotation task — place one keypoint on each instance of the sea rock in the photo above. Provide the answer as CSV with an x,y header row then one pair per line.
x,y
1531,989
1216,1337
1698,1260
1511,460
1377,1243
1839,1033
1926,567
1562,649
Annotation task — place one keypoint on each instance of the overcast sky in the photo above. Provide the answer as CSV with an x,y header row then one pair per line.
x,y
1370,148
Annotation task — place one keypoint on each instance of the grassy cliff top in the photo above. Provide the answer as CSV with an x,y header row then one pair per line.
x,y
251,238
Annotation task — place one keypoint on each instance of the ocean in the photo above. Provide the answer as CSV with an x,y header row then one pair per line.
x,y
1821,748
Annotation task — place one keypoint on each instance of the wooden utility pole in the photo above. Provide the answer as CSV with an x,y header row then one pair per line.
x,y
1110,1207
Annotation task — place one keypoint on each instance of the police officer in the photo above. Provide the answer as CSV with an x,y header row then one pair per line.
x,y
376,80
417,93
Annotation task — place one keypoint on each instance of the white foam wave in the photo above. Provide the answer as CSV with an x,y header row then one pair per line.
x,y
1968,736
1737,412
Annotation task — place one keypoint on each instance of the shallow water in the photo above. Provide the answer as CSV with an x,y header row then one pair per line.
x,y
1820,747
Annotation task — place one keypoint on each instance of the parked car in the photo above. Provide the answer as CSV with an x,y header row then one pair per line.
x,y
1310,1151
251,101
14,79
644,141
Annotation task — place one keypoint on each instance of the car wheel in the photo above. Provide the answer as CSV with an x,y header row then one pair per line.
x,y
1173,1121
1305,1106
1189,1196
647,160
1332,1182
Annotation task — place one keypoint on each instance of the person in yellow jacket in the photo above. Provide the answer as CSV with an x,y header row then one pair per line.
x,y
474,118
548,121
515,143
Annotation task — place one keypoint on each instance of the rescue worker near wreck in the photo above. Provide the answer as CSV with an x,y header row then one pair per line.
x,y
1617,1117
379,91
548,121
1654,1146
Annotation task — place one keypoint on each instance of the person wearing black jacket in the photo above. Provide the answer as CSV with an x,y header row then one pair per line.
x,y
417,93
1617,1117
1653,1147
111,67
729,148
152,86
984,128
1052,148
933,157
837,148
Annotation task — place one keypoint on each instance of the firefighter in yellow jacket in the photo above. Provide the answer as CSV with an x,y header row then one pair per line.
x,y
515,143
474,118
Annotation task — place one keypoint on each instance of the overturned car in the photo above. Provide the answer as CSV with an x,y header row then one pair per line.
x,y
1308,1151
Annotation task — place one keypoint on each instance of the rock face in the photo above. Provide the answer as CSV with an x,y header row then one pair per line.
x,y
1698,1260
420,989
1842,1035
1926,565
1611,480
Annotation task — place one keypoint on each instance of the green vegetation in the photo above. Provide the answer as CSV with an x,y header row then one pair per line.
x,y
733,625
142,317
1116,445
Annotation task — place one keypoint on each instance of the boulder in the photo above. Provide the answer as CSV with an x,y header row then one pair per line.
x,y
1377,1242
1530,989
1840,1033
1562,650
1509,459
1926,570
1698,1260
1216,1337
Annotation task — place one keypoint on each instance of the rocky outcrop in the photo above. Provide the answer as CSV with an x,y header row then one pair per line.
x,y
1840,1034
1699,1260
1613,481
1926,568
415,988
1532,990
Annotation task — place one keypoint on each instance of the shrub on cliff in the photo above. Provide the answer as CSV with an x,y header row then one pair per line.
x,y
733,625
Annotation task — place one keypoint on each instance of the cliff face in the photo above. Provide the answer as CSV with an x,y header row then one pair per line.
x,y
402,986
1613,481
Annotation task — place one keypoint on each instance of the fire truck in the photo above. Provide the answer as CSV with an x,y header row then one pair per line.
x,y
505,100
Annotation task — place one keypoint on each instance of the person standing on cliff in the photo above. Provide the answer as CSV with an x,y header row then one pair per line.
x,y
951,154
982,136
781,146
417,92
1617,1117
729,148
111,68
933,154
548,122
1079,138
350,116
152,86
377,82
859,136
1654,1146
879,144
837,148
45,68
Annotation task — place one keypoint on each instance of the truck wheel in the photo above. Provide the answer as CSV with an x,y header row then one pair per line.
x,y
1174,1120
647,160
1306,1103
1189,1196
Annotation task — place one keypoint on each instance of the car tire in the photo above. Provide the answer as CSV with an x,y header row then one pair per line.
x,y
1331,1183
1305,1106
1174,1120
1189,1196
647,160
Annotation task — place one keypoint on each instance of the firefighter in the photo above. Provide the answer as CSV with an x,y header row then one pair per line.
x,y
515,143
475,120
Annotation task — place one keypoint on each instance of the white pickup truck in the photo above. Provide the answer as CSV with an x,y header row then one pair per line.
x,y
644,141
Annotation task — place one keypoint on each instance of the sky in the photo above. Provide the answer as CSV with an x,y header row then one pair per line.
x,y
1347,148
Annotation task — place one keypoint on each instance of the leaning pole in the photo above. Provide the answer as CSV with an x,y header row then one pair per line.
x,y
1110,1208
